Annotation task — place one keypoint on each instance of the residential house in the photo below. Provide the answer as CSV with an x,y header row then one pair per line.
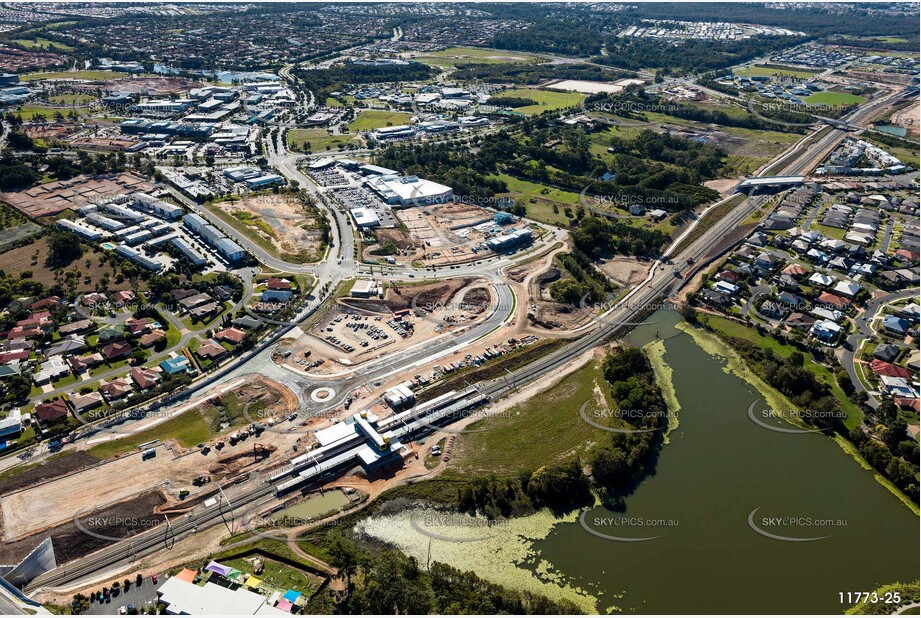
x,y
69,345
117,351
896,325
51,411
211,350
116,389
82,403
847,288
833,300
152,338
886,352
146,377
80,326
825,331
111,332
51,370
80,363
231,335
177,364
800,321
897,387
883,368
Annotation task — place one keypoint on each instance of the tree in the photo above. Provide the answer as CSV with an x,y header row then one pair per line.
x,y
63,248
609,468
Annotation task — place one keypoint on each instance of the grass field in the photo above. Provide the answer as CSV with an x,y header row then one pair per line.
x,y
319,140
729,328
72,98
277,575
764,71
545,430
459,56
28,77
375,119
834,98
188,429
40,43
547,100
539,200
28,112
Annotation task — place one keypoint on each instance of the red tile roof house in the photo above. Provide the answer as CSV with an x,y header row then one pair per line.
x,y
834,300
152,338
50,411
883,368
728,275
278,284
794,270
79,363
23,332
52,302
123,297
116,389
42,319
231,335
138,326
211,349
145,378
117,350
13,356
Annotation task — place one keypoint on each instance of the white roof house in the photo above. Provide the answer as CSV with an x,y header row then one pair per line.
x,y
847,288
821,280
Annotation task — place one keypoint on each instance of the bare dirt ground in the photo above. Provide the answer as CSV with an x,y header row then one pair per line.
x,y
153,85
624,271
117,521
909,119
723,186
401,239
32,257
446,233
287,226
52,502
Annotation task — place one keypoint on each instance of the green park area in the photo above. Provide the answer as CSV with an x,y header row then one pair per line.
x,y
771,71
316,140
39,43
543,203
459,56
545,100
371,119
505,444
28,77
834,98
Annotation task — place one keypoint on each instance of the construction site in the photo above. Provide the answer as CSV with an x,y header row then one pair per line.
x,y
123,481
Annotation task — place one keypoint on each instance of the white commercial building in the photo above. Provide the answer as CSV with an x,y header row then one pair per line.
x,y
364,218
410,190
182,597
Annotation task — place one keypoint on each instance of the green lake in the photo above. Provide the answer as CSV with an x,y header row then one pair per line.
x,y
717,468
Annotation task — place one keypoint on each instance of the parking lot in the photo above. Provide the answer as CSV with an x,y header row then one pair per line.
x,y
329,177
143,596
363,333
360,198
